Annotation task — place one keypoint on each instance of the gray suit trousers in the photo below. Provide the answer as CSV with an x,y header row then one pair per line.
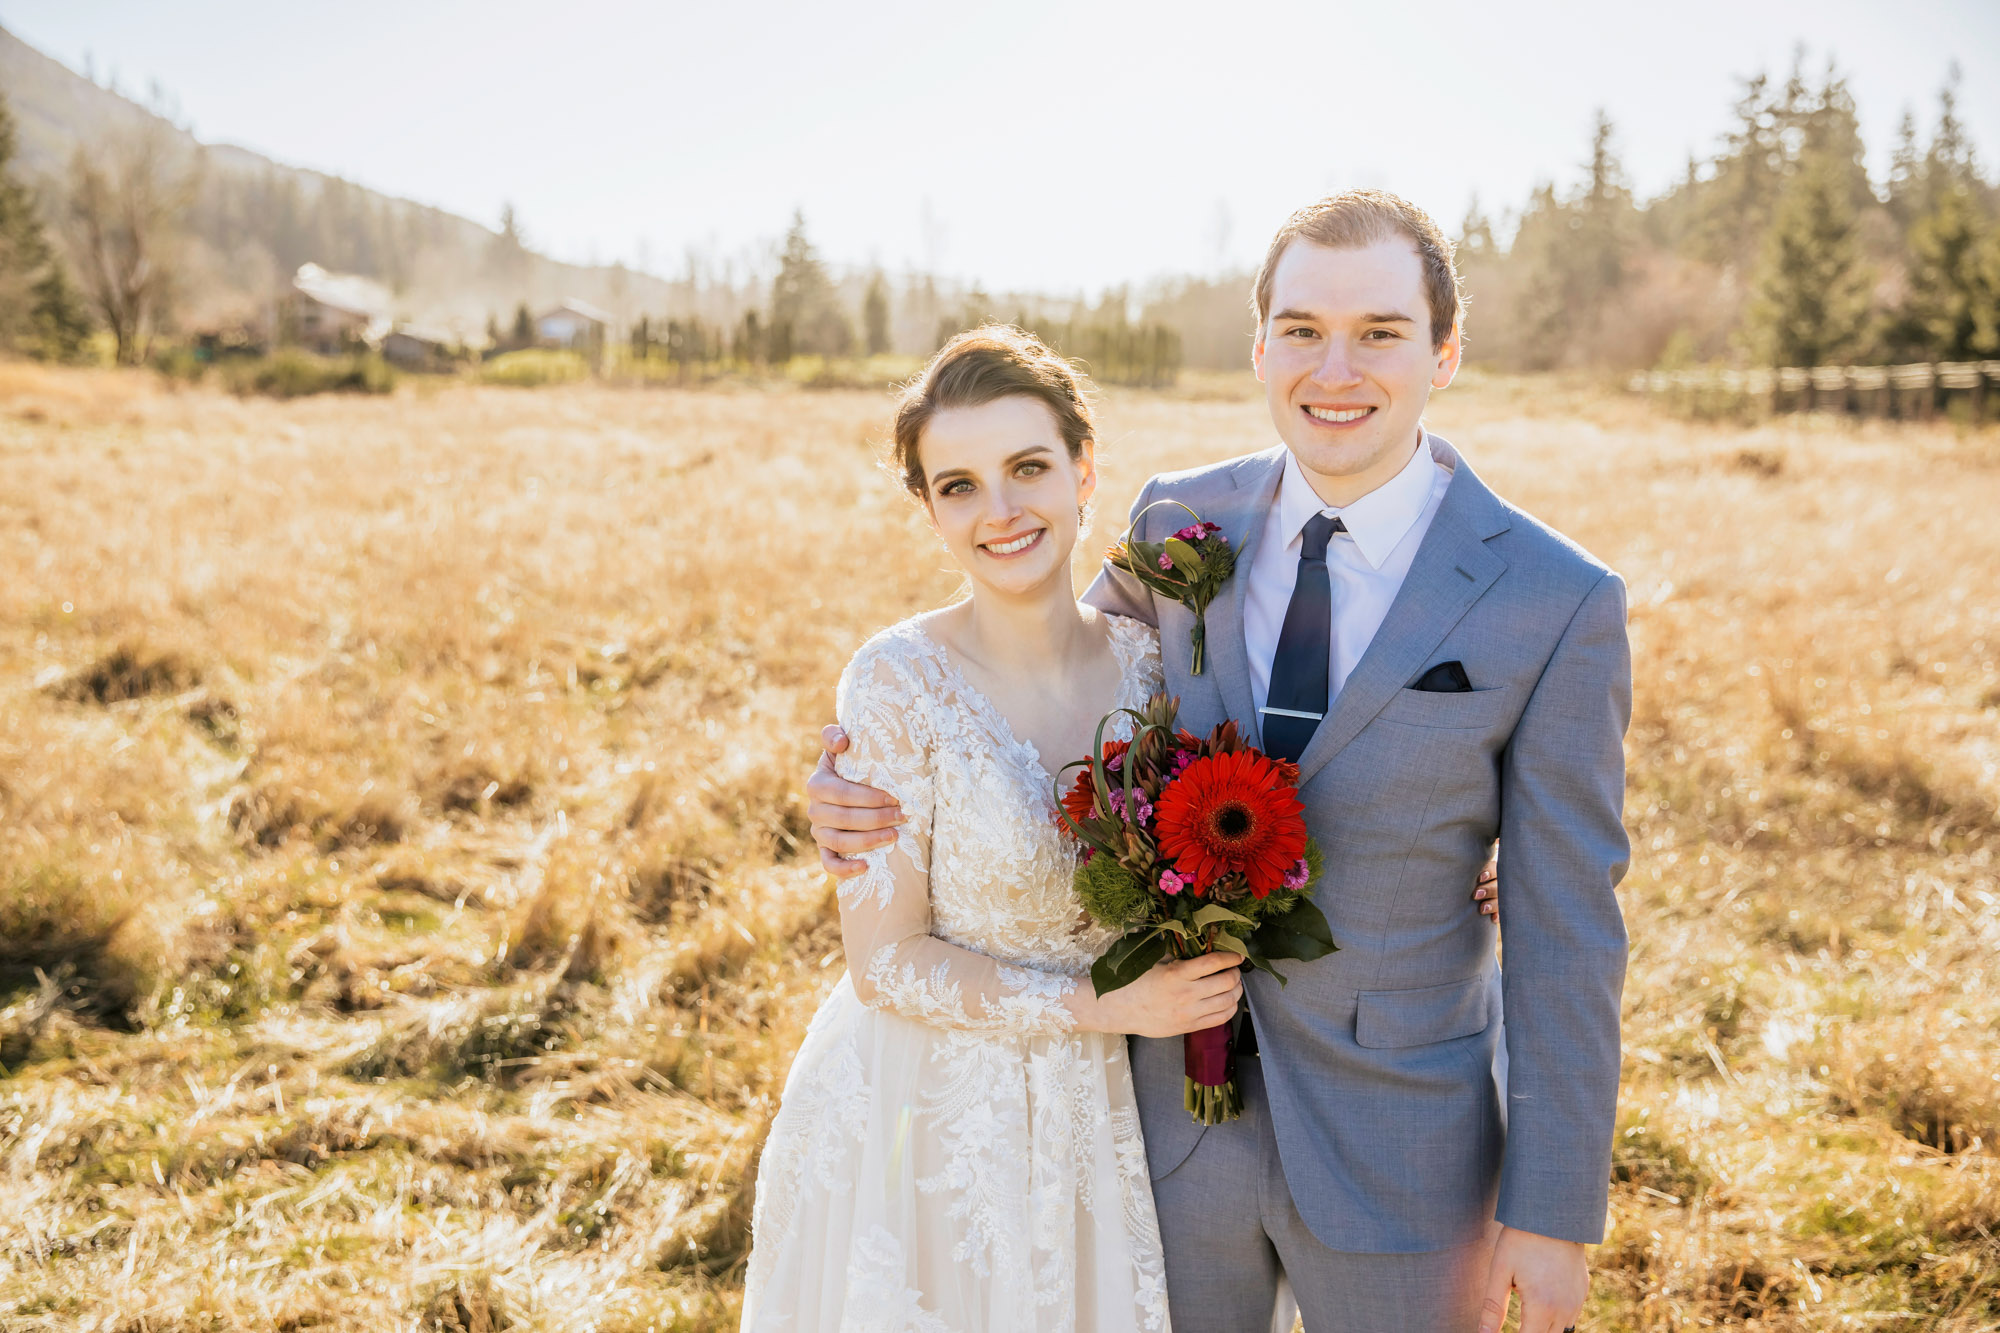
x,y
1231,1230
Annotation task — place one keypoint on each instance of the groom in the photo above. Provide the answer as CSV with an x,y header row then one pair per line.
x,y
1445,671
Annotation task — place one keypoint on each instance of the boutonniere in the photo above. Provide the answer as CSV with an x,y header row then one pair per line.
x,y
1188,567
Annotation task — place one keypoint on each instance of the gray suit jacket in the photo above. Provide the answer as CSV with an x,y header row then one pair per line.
x,y
1378,1059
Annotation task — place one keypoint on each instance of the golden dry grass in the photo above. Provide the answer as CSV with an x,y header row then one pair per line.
x,y
402,916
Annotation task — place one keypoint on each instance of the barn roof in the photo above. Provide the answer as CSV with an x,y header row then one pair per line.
x,y
349,292
573,306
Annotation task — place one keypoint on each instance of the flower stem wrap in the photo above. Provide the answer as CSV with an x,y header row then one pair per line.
x,y
1209,1059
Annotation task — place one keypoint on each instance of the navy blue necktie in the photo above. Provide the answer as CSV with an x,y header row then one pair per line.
x,y
1298,694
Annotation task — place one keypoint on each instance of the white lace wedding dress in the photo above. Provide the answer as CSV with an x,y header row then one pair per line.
x,y
950,1157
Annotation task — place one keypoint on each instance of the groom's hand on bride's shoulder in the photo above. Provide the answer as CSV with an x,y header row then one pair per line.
x,y
847,818
1553,1277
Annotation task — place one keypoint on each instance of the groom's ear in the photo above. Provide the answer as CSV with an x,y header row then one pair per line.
x,y
1257,354
1449,357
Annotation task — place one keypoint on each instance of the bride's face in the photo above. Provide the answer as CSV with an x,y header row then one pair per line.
x,y
1003,492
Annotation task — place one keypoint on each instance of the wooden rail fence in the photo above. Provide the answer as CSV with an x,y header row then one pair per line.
x,y
1914,392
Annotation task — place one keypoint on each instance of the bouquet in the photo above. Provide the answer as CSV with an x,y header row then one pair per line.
x,y
1188,567
1189,846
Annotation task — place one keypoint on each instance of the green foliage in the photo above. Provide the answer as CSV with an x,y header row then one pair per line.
x,y
1112,894
292,373
1813,286
1574,251
1954,301
41,312
532,368
875,316
806,316
1783,213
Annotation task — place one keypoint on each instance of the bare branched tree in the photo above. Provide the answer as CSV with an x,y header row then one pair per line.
x,y
127,199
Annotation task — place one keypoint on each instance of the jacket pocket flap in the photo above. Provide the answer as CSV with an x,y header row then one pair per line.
x,y
1418,1017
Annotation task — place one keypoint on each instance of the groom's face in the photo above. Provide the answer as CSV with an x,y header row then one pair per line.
x,y
1348,362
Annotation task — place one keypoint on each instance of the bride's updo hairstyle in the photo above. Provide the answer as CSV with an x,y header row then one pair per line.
x,y
981,366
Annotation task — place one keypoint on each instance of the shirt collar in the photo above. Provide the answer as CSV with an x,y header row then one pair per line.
x,y
1379,520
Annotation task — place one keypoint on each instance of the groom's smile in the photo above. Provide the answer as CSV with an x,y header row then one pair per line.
x,y
1337,416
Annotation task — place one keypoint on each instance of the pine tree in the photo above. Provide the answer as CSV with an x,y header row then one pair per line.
x,y
523,334
1604,214
806,317
1950,314
41,312
875,315
1811,302
1906,172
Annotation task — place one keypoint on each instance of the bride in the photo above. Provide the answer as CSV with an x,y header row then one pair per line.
x,y
958,1147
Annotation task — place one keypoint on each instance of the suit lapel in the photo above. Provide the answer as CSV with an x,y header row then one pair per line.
x,y
1453,568
1241,514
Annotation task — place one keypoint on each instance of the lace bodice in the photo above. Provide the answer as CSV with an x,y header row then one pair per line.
x,y
970,919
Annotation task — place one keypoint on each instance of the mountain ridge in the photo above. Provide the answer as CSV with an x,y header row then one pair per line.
x,y
256,219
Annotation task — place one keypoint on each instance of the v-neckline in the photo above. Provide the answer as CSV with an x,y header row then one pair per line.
x,y
997,719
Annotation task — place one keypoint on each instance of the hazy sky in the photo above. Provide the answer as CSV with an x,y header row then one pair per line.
x,y
1054,145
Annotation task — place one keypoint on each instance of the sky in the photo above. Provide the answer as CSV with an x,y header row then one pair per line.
x,y
1059,146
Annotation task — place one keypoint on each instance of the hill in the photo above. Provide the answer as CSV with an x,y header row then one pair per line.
x,y
256,220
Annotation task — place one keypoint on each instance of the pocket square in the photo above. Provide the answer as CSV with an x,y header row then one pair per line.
x,y
1444,678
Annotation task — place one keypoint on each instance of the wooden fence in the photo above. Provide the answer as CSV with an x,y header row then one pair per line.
x,y
1914,392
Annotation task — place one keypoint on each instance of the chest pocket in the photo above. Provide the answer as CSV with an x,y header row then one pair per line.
x,y
1467,710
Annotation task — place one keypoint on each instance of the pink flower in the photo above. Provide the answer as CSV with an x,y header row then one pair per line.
x,y
1194,532
1298,875
1171,883
1145,807
1166,564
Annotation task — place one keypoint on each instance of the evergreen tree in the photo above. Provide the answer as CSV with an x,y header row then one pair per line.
x,y
806,317
41,312
1811,303
1572,255
1906,172
1475,234
875,316
523,334
1832,139
1949,314
1949,163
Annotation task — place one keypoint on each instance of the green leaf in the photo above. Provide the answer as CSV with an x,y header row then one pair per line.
x,y
1127,960
1233,943
1301,933
1263,964
1215,912
1186,559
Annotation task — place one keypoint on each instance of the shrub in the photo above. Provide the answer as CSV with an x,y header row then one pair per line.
x,y
533,368
292,373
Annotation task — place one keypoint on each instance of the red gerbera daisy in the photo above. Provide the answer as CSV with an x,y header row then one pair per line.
x,y
1233,813
1082,795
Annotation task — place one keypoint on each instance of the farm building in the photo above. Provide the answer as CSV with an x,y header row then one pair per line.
x,y
334,312
574,323
419,347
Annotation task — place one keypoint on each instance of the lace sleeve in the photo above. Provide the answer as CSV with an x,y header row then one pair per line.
x,y
887,710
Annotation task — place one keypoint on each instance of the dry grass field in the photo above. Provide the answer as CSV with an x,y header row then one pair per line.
x,y
403,915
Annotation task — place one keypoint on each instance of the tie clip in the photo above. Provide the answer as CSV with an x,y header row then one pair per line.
x,y
1290,712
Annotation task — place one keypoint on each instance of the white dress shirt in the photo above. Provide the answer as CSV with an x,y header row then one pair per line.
x,y
1365,564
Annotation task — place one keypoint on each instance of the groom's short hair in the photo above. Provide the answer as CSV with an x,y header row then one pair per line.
x,y
1355,218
